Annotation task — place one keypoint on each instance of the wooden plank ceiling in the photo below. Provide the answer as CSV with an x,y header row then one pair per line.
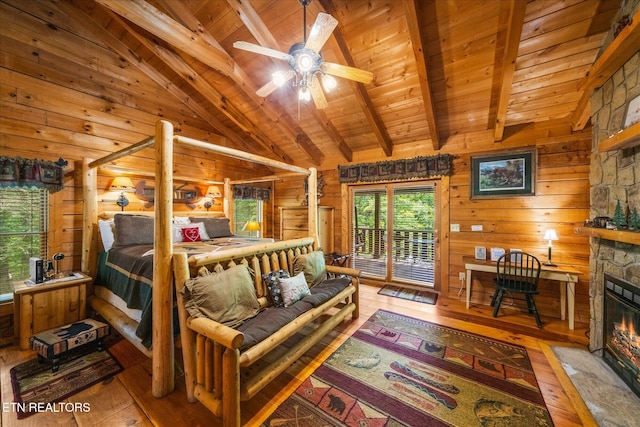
x,y
441,68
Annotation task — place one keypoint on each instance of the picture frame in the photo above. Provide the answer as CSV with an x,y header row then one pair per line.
x,y
632,112
503,174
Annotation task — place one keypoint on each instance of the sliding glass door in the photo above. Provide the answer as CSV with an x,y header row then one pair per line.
x,y
394,236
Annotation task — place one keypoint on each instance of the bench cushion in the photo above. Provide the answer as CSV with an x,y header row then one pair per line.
x,y
56,341
270,320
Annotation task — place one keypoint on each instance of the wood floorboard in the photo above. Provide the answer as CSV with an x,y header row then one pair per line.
x,y
127,400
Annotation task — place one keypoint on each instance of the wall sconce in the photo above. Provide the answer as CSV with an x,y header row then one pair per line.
x,y
124,185
252,226
550,235
213,192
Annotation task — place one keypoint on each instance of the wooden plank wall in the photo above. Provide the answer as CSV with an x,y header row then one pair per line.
x,y
561,202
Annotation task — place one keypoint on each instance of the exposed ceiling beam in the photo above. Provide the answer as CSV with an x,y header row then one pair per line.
x,y
505,68
263,35
125,51
413,23
190,76
194,44
359,90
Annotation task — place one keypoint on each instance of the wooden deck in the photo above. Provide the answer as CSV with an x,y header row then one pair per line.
x,y
127,400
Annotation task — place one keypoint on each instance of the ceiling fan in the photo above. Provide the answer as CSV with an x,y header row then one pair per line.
x,y
306,63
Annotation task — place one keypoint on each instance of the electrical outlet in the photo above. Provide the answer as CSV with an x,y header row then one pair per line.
x,y
461,276
455,227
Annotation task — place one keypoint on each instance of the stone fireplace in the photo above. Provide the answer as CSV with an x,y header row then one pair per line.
x,y
615,177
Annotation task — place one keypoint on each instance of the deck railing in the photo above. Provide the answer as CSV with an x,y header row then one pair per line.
x,y
407,244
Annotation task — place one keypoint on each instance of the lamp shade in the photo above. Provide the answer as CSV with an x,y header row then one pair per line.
x,y
122,183
252,226
550,234
214,192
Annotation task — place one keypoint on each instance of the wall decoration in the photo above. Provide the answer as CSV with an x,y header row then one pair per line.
x,y
506,174
417,167
632,115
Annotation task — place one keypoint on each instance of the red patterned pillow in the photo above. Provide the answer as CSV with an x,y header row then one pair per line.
x,y
190,234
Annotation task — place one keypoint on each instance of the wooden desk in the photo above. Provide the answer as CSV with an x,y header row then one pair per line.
x,y
567,276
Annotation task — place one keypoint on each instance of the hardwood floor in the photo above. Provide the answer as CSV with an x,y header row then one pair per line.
x,y
126,400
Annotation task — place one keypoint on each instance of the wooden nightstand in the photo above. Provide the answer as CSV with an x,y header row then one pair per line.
x,y
47,305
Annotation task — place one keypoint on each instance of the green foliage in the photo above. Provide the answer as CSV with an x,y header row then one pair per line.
x,y
412,210
22,233
619,218
634,221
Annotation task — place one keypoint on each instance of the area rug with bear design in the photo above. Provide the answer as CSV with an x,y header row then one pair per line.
x,y
401,371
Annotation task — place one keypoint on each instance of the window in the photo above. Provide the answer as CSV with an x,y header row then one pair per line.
x,y
23,234
244,211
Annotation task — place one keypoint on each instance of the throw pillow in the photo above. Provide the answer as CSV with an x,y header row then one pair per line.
x,y
270,281
133,230
216,227
177,231
228,297
106,233
293,289
312,265
190,234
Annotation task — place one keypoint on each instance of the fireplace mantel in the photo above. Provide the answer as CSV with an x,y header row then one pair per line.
x,y
630,237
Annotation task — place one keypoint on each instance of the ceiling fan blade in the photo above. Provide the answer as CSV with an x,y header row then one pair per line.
x,y
321,31
347,72
318,95
261,50
267,89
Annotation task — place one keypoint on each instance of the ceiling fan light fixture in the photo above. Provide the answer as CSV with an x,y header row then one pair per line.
x,y
329,82
304,94
279,78
305,62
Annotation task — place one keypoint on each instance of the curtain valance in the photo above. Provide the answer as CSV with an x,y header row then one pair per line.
x,y
252,193
16,172
417,167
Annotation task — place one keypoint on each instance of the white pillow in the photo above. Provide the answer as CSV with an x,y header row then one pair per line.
x,y
293,289
181,220
177,231
106,233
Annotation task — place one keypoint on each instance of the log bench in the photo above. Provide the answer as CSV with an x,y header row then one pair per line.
x,y
214,354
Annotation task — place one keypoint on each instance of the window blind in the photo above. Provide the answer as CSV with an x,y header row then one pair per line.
x,y
23,233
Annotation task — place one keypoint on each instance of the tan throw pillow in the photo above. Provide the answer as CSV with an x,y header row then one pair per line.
x,y
312,265
293,289
228,297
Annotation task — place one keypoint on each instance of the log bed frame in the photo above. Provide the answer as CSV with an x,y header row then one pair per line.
x,y
162,352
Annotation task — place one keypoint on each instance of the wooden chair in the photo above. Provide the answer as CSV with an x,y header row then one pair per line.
x,y
517,272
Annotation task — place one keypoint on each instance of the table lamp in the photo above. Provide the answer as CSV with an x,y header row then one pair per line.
x,y
252,226
550,235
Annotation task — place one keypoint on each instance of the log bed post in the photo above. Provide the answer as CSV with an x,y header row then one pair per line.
x,y
162,302
89,218
227,206
312,198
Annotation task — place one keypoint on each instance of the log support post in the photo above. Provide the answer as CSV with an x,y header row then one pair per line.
x,y
162,304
